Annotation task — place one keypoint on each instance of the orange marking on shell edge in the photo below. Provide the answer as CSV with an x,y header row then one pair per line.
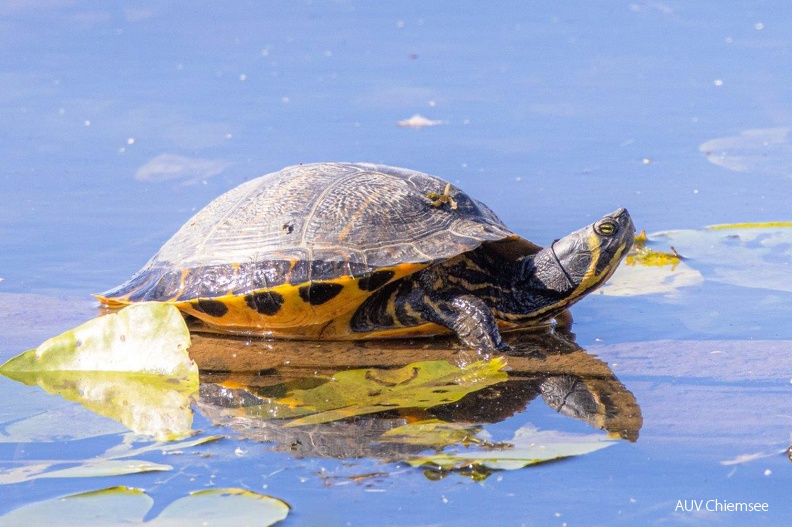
x,y
235,266
292,263
405,269
113,303
184,274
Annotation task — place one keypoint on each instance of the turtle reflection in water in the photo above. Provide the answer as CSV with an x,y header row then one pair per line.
x,y
568,380
342,251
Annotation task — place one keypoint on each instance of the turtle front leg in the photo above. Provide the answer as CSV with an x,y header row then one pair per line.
x,y
471,319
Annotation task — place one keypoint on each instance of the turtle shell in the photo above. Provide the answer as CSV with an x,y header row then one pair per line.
x,y
288,252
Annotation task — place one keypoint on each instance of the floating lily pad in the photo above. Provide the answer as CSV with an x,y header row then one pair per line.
x,y
231,507
634,278
125,450
111,506
149,337
760,151
88,469
131,366
112,463
528,447
165,167
756,255
128,506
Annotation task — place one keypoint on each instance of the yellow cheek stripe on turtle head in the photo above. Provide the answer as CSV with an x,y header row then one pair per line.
x,y
591,278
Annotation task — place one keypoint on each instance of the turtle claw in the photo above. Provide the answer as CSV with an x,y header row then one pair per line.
x,y
470,354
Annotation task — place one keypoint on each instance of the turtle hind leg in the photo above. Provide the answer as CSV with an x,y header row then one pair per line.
x,y
471,319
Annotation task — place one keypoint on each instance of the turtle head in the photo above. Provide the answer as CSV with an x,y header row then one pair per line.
x,y
561,274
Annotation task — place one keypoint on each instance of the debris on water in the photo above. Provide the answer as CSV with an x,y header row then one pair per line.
x,y
641,254
747,458
166,167
759,151
439,199
418,121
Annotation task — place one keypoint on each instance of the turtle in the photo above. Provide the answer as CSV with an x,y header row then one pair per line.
x,y
348,251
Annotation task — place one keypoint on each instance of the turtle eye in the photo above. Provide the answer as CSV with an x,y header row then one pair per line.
x,y
606,228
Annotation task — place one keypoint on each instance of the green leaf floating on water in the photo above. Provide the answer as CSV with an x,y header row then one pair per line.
x,y
365,391
131,366
117,506
433,433
113,462
229,506
755,255
528,447
149,337
758,151
87,469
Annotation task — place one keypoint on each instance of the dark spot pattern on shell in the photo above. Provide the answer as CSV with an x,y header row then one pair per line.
x,y
213,308
265,302
317,294
375,280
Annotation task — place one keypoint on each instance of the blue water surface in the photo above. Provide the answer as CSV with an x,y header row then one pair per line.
x,y
121,120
